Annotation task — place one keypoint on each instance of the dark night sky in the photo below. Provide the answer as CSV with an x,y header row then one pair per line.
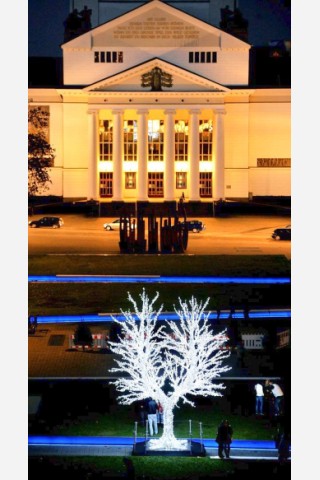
x,y
45,23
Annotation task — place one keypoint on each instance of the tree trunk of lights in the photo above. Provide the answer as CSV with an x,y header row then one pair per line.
x,y
167,440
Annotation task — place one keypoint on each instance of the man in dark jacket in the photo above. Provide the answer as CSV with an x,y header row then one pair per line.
x,y
152,416
224,438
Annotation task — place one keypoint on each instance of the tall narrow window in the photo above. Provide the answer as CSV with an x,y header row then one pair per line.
x,y
106,184
155,184
105,140
205,139
181,180
155,140
205,184
181,140
130,129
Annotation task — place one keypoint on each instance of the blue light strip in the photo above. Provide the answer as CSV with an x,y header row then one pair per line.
x,y
154,279
128,441
108,317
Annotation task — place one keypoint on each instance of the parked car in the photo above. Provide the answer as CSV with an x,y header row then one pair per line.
x,y
282,233
195,226
115,225
53,222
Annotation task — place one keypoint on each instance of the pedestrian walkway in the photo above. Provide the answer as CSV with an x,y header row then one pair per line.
x,y
238,314
123,446
150,279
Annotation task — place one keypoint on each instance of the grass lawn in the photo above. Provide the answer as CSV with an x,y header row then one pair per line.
x,y
77,299
221,265
63,299
145,467
120,421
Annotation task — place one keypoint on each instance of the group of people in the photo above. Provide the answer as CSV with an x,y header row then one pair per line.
x,y
273,393
224,440
152,412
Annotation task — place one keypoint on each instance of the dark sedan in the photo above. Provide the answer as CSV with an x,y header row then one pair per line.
x,y
53,222
283,233
195,226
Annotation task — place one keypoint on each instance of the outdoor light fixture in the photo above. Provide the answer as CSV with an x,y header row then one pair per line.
x,y
168,363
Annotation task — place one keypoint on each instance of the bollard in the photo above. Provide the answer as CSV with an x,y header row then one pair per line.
x,y
201,436
135,433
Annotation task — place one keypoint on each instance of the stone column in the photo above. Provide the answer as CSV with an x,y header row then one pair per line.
x,y
117,141
142,149
218,190
194,155
169,144
92,155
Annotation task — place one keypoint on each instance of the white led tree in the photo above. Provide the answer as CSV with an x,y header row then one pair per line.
x,y
168,363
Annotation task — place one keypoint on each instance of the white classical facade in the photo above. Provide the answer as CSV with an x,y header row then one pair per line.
x,y
156,103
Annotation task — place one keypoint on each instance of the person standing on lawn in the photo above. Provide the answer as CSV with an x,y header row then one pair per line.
x,y
278,397
259,398
160,414
224,438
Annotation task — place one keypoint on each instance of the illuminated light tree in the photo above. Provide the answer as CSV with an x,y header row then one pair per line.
x,y
170,362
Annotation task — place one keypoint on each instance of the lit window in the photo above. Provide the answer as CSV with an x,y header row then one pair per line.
x,y
205,184
130,139
181,180
181,140
105,140
106,184
155,184
205,140
155,140
130,180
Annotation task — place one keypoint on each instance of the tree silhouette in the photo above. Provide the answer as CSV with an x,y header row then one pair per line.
x,y
40,152
168,363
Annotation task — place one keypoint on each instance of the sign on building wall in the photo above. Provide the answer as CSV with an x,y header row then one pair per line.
x,y
273,162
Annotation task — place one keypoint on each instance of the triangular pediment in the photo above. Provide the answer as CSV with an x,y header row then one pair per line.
x,y
132,80
155,24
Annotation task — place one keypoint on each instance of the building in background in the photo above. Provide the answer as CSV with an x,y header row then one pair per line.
x,y
156,102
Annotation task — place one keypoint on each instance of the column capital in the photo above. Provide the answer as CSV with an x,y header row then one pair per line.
x,y
117,112
219,111
195,111
170,111
92,111
142,111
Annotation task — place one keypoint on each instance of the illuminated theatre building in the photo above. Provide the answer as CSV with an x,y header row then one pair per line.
x,y
156,103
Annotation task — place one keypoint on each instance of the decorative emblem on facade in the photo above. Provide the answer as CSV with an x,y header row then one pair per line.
x,y
156,79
